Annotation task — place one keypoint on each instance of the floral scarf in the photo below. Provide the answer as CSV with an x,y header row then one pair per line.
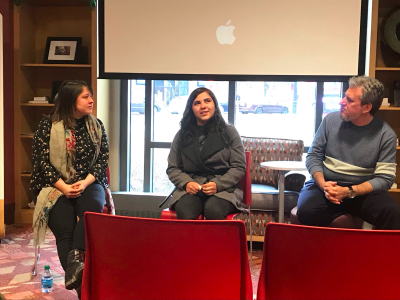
x,y
62,157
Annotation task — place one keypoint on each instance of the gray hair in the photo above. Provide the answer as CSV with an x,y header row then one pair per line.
x,y
372,91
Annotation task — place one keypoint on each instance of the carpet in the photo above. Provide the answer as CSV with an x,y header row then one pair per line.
x,y
16,262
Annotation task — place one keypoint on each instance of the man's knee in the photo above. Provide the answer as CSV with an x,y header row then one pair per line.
x,y
310,215
391,210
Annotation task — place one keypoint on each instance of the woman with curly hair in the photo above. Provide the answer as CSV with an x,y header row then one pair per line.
x,y
206,161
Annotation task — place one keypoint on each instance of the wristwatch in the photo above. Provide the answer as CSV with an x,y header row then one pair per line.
x,y
351,194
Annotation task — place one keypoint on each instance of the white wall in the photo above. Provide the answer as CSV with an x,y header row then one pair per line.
x,y
108,112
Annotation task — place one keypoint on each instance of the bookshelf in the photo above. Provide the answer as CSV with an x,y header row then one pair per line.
x,y
380,57
34,21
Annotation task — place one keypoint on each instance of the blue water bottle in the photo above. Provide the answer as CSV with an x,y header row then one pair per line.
x,y
47,280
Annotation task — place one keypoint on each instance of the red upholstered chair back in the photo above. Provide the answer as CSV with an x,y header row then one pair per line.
x,y
245,182
302,262
137,258
105,209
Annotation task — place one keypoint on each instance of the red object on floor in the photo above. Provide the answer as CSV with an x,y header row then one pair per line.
x,y
135,258
245,184
303,262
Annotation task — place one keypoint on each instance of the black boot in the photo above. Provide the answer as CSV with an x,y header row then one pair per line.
x,y
74,272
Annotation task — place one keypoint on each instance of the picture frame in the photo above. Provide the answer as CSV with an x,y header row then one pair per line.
x,y
62,50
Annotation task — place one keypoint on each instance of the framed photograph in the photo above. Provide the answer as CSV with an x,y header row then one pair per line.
x,y
62,50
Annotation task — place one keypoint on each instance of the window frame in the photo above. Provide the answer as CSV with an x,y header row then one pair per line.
x,y
150,145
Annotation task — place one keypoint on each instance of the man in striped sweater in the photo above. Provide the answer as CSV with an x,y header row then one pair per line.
x,y
352,161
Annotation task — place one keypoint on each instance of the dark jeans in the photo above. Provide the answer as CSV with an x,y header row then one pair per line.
x,y
190,207
70,233
376,208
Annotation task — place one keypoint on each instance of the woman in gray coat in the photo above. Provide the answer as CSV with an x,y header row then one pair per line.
x,y
206,161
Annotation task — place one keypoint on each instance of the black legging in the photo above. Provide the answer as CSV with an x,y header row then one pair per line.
x,y
190,207
69,233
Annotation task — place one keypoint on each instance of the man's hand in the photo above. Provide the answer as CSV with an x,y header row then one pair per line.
x,y
209,188
192,188
336,193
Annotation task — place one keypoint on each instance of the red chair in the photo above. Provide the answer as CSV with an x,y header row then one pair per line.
x,y
303,262
139,258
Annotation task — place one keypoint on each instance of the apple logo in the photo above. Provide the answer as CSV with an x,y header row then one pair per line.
x,y
225,34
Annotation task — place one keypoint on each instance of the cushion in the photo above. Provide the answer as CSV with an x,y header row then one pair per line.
x,y
266,198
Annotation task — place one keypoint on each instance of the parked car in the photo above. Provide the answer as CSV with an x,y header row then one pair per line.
x,y
261,108
139,107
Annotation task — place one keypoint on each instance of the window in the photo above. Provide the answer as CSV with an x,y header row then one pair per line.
x,y
270,109
276,109
332,97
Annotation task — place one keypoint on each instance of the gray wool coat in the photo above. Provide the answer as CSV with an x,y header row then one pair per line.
x,y
190,164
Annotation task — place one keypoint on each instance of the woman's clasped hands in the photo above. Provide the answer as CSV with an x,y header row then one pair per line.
x,y
209,188
74,190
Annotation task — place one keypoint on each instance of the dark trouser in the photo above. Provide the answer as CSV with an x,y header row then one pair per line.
x,y
69,233
190,207
378,209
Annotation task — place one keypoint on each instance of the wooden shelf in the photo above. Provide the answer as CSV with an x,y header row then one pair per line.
x,y
37,104
394,190
39,3
34,21
26,136
57,65
256,238
387,69
389,108
24,215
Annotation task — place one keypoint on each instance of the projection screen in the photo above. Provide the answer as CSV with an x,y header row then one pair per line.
x,y
231,39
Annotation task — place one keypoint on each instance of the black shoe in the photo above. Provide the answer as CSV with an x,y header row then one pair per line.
x,y
74,272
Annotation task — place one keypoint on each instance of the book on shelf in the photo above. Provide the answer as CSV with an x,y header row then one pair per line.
x,y
38,102
44,98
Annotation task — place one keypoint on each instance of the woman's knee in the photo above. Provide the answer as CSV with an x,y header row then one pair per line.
x,y
93,198
189,207
217,209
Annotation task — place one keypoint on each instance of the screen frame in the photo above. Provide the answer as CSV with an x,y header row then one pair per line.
x,y
229,77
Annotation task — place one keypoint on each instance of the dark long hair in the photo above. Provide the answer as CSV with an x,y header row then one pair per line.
x,y
189,121
65,102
